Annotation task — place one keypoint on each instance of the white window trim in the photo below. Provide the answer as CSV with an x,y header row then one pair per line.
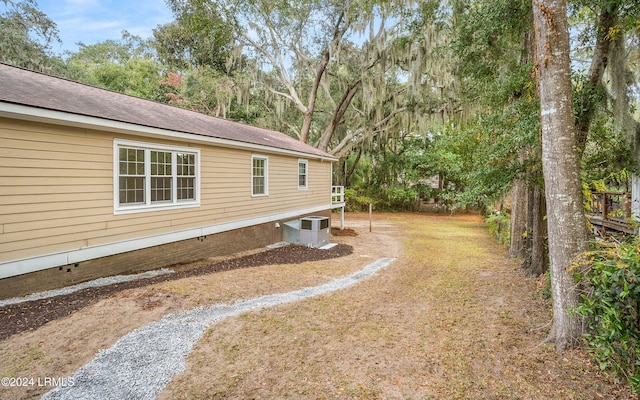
x,y
160,206
306,173
266,175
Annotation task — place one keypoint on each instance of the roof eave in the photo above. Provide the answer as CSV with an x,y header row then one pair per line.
x,y
35,114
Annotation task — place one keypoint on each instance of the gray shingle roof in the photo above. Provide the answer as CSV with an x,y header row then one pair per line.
x,y
34,89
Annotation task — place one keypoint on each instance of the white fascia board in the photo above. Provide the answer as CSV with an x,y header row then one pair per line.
x,y
35,114
33,264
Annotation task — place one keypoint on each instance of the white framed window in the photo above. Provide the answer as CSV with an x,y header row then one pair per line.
x,y
151,176
303,174
259,175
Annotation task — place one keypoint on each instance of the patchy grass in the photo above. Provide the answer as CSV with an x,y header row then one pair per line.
x,y
22,360
252,282
451,318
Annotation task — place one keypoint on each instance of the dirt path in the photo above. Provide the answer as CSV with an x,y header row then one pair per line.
x,y
450,318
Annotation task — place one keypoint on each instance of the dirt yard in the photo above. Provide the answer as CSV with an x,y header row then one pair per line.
x,y
451,318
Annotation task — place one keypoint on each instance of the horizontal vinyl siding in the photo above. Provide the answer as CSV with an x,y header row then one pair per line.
x,y
56,190
56,184
226,185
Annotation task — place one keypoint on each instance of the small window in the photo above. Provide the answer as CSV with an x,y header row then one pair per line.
x,y
186,176
161,176
154,176
303,174
259,176
132,176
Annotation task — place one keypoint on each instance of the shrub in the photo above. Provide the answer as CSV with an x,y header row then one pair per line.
x,y
389,199
611,305
356,202
500,228
399,199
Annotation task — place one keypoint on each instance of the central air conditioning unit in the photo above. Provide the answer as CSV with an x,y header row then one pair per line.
x,y
314,231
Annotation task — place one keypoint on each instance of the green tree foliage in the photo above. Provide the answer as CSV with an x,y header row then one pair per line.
x,y
611,305
607,154
329,70
607,36
477,164
498,226
197,38
126,66
26,34
205,71
215,93
605,56
491,42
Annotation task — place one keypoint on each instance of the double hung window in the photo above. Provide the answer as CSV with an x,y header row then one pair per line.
x,y
259,176
149,177
303,174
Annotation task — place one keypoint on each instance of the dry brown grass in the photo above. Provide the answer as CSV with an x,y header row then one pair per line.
x,y
451,318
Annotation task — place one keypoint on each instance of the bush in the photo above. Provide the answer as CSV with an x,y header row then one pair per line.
x,y
355,202
611,305
399,199
500,228
390,199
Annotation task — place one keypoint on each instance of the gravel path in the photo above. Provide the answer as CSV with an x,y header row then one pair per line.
x,y
141,364
109,280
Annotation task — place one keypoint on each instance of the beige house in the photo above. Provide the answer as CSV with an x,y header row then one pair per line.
x,y
95,183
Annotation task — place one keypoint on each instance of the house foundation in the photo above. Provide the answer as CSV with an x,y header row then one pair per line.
x,y
181,252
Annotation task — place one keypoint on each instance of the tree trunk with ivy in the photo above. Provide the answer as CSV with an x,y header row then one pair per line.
x,y
561,169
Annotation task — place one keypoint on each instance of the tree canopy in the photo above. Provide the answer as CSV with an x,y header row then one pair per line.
x,y
27,34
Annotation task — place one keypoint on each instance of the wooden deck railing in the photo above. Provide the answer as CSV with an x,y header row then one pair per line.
x,y
611,210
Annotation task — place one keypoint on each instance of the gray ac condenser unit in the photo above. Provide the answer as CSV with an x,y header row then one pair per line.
x,y
314,231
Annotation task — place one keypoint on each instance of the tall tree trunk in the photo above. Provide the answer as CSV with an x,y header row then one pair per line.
x,y
539,252
587,100
338,32
347,97
518,218
351,170
307,118
536,255
561,170
519,212
528,253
